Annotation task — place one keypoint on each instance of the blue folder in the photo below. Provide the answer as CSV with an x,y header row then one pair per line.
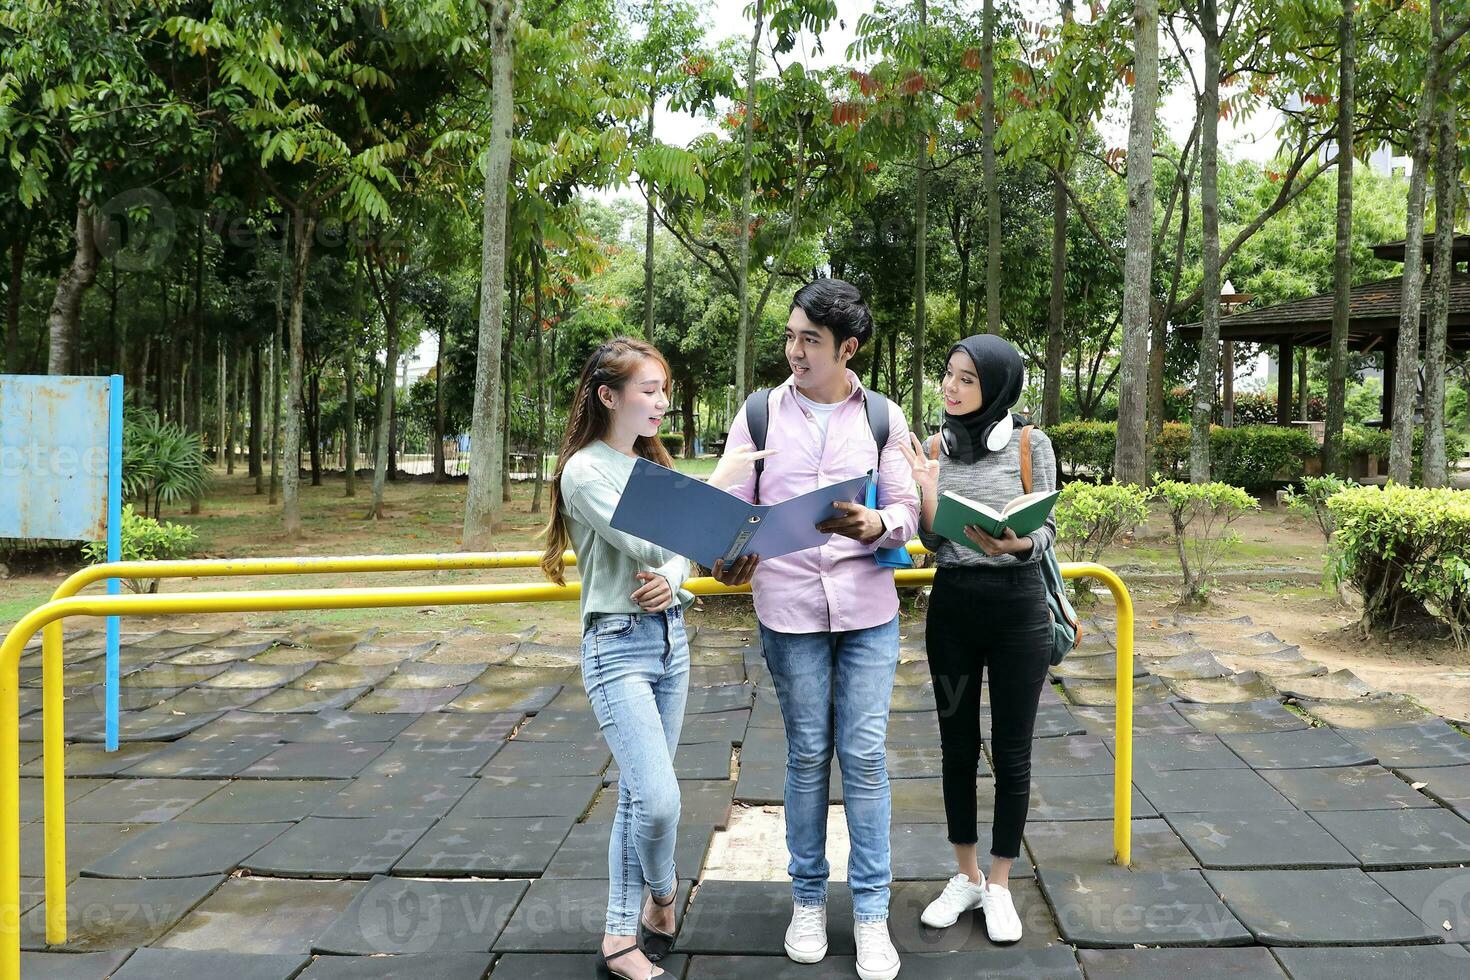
x,y
703,523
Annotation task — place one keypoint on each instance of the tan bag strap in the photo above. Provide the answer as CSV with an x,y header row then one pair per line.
x,y
1026,458
934,446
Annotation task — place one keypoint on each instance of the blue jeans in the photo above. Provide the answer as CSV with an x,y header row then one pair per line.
x,y
636,671
834,690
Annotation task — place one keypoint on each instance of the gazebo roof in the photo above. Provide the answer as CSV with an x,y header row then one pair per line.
x,y
1373,316
1394,251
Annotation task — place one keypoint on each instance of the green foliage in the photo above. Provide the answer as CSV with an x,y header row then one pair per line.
x,y
673,442
162,462
1090,516
1249,456
1360,440
146,539
1311,500
1201,514
1407,551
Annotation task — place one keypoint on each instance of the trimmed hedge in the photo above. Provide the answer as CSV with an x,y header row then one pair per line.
x,y
1254,457
673,442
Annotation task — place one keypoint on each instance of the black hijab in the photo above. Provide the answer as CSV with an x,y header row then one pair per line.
x,y
1002,375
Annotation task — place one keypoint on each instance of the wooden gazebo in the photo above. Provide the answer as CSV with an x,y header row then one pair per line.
x,y
1373,321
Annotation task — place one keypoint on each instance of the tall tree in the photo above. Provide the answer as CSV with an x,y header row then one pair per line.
x,y
921,234
1208,24
987,155
1128,459
1342,261
744,347
1446,195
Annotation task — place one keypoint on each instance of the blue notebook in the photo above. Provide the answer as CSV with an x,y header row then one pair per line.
x,y
703,523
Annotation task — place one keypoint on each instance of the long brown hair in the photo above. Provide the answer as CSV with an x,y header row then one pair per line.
x,y
613,364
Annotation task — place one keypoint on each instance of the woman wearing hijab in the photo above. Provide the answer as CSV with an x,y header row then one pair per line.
x,y
987,616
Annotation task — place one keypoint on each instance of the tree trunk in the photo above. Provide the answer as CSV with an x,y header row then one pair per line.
x,y
314,426
1227,384
1401,443
63,323
987,163
439,473
1285,360
257,417
232,414
921,249
686,406
387,394
222,393
1128,459
536,322
349,427
481,502
1342,256
1446,186
1051,399
304,224
275,482
1302,396
744,333
12,300
648,229
505,363
1209,344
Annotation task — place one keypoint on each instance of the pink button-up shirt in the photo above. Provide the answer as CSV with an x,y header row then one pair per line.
x,y
838,586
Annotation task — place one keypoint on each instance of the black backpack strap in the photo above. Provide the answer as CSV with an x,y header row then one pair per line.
x,y
757,420
877,409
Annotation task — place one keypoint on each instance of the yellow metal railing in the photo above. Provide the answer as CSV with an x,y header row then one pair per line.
x,y
48,617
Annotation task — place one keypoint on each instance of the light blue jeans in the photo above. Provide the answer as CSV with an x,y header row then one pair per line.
x,y
636,671
834,690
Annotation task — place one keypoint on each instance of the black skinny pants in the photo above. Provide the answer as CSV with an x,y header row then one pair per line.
x,y
992,621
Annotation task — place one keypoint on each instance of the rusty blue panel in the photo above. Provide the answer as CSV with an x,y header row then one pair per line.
x,y
54,457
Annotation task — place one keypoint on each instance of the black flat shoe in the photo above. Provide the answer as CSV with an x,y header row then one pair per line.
x,y
605,969
656,944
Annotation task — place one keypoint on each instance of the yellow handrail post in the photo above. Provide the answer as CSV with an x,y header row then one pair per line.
x,y
53,783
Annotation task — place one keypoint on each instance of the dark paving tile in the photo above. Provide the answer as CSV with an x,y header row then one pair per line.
x,y
1309,748
236,726
111,913
405,966
407,756
406,700
1173,752
1118,907
1253,716
528,796
1103,666
1383,711
566,725
315,760
547,759
477,698
1146,690
411,676
707,700
921,852
1235,689
295,700
1440,897
1071,755
921,762
1342,907
1056,962
910,936
1345,788
263,915
85,843
1148,719
173,676
572,966
404,915
73,790
183,850
511,847
1079,798
94,760
140,800
1200,790
1086,846
320,847
1241,963
1248,839
157,724
742,917
257,675
583,854
336,726
702,801
264,801
1387,839
71,966
1449,785
425,795
700,760
466,727
1055,720
563,915
200,760
1438,962
765,785
187,964
1425,745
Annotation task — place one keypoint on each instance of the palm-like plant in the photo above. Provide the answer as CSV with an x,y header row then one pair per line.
x,y
162,462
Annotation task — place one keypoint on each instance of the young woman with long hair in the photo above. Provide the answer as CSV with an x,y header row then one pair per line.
x,y
635,655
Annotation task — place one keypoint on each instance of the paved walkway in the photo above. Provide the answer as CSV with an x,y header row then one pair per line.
x,y
300,804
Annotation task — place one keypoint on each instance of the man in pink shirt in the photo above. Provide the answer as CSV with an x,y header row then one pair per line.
x,y
829,616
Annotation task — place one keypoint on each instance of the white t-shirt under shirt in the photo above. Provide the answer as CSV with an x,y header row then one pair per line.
x,y
819,411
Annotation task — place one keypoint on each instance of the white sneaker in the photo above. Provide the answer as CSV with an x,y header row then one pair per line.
x,y
960,895
1002,923
806,936
876,957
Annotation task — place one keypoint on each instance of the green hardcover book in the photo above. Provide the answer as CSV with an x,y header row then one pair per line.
x,y
1023,515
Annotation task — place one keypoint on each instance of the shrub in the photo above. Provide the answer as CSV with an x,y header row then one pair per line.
x,y
1260,409
673,442
1171,450
1253,457
1202,514
162,462
1091,516
1311,502
146,539
1407,551
1358,440
1085,444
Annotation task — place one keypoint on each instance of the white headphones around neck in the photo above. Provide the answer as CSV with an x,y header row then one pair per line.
x,y
997,435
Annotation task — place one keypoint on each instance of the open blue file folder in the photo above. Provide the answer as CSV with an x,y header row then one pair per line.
x,y
688,516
